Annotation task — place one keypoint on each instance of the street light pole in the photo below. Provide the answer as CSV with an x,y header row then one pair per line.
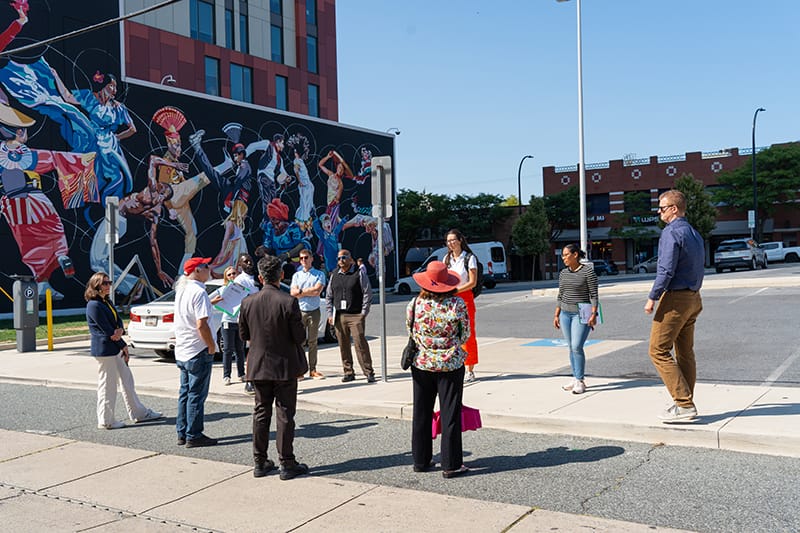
x,y
581,156
519,184
754,231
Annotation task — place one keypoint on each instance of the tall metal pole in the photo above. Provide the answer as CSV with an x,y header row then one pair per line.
x,y
519,183
396,133
754,231
382,273
582,158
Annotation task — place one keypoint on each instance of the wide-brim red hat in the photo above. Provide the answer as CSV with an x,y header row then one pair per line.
x,y
437,278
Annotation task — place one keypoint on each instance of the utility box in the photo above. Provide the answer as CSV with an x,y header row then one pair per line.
x,y
26,312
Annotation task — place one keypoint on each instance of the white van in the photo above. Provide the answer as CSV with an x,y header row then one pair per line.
x,y
491,254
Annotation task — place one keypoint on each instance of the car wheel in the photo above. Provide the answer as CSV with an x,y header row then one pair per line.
x,y
764,264
719,270
642,270
165,354
403,288
792,258
490,284
753,263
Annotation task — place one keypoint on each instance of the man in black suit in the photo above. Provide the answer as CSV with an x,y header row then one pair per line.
x,y
271,321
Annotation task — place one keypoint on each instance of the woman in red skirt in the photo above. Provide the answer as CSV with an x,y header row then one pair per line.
x,y
460,259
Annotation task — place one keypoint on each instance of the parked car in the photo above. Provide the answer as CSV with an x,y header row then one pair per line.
x,y
151,325
739,253
604,268
646,267
777,251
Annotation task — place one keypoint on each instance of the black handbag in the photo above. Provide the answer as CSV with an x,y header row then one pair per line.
x,y
411,350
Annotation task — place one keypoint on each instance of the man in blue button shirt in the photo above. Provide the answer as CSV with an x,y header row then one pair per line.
x,y
307,285
679,276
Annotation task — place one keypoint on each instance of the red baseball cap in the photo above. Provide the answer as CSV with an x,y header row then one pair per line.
x,y
190,265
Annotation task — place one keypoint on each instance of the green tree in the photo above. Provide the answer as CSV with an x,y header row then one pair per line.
x,y
476,215
511,201
635,223
700,210
778,179
562,211
417,211
531,231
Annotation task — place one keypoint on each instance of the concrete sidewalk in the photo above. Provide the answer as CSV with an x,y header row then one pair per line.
x,y
516,390
55,484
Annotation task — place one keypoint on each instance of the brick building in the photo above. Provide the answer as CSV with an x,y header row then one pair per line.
x,y
607,185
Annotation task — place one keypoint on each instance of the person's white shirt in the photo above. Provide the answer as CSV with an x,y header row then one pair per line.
x,y
457,265
191,304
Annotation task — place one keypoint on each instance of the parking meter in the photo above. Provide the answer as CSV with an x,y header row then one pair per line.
x,y
26,312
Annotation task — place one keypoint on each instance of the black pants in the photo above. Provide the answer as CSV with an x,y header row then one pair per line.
x,y
284,394
450,388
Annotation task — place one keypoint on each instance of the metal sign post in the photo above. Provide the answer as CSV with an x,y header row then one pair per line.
x,y
381,183
112,237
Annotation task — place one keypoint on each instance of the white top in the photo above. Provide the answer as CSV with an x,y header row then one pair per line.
x,y
247,280
457,265
191,304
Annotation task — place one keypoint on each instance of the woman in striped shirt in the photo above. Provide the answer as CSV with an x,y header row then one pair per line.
x,y
577,283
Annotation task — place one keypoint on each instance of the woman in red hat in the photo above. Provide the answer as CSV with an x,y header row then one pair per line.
x,y
440,327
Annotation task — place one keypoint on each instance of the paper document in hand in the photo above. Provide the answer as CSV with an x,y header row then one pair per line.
x,y
585,313
232,295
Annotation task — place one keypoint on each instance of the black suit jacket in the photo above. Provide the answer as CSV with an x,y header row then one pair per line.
x,y
271,321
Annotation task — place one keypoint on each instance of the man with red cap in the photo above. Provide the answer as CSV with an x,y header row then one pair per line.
x,y
195,345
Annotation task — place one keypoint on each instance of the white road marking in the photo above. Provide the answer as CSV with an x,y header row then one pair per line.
x,y
778,372
748,295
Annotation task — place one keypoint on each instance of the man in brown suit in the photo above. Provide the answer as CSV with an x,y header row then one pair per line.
x,y
271,321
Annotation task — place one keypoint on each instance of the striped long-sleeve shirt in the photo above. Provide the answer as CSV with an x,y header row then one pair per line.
x,y
577,287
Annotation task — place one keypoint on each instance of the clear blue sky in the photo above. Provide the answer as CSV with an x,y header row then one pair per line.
x,y
475,86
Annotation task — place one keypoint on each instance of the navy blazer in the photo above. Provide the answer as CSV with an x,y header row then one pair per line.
x,y
102,323
271,321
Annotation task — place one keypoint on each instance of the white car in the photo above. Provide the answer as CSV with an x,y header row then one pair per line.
x,y
151,325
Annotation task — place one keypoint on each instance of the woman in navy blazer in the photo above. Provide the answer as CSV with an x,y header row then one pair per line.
x,y
111,354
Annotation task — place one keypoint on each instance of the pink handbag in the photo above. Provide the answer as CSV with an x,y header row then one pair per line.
x,y
470,421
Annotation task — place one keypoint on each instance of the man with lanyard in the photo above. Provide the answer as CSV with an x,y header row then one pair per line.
x,y
347,300
307,285
195,345
681,259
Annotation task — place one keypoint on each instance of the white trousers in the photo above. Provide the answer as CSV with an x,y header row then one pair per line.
x,y
110,370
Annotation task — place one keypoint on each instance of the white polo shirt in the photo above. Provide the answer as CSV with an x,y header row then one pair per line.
x,y
191,304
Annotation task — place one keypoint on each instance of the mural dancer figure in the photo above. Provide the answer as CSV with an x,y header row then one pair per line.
x,y
270,173
328,234
233,187
299,146
168,169
370,225
335,184
281,237
233,242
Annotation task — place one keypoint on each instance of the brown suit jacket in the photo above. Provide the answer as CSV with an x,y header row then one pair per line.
x,y
270,320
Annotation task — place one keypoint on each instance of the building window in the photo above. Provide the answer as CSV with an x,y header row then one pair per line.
x,y
201,15
311,12
276,7
276,43
597,204
313,100
212,75
229,28
241,83
244,35
282,92
311,50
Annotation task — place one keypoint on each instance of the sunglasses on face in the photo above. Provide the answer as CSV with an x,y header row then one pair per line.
x,y
342,257
106,282
304,257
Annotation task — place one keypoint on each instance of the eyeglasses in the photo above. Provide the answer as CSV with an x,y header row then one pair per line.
x,y
662,207
106,282
452,240
231,274
304,257
342,257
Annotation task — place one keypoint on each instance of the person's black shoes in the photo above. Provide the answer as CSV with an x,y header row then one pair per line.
x,y
262,469
348,377
201,441
181,441
291,472
423,468
371,378
248,388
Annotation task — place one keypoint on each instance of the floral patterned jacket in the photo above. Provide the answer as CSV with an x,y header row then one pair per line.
x,y
440,328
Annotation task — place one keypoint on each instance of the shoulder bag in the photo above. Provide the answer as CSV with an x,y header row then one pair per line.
x,y
411,350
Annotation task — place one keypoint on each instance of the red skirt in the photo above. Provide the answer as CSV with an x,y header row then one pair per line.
x,y
471,346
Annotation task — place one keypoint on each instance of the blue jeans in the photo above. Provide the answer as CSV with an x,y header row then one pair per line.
x,y
575,334
195,379
232,347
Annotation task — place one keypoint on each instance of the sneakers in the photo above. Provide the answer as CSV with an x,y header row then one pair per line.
x,y
569,386
291,472
248,388
196,138
470,377
116,424
226,381
371,378
201,441
316,375
579,387
348,377
678,414
149,415
262,469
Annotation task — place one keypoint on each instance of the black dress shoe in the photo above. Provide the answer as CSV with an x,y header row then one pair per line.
x,y
447,474
262,469
291,472
181,441
348,377
371,378
201,441
423,468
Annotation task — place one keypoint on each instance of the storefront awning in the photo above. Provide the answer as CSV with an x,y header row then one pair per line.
x,y
738,227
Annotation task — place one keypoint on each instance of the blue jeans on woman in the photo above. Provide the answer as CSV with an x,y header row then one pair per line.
x,y
195,379
232,346
575,334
